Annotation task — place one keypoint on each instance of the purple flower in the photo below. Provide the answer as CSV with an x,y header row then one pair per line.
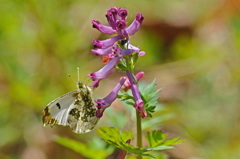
x,y
120,26
112,17
136,24
102,104
136,94
117,52
105,43
102,52
142,53
103,72
143,113
122,13
103,28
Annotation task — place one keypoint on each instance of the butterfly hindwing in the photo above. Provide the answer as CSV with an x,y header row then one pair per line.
x,y
75,109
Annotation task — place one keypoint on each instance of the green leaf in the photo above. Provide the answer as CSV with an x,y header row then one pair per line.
x,y
122,67
149,96
81,148
118,138
159,148
125,96
135,59
173,141
157,140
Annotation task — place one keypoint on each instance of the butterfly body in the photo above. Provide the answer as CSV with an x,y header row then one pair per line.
x,y
75,109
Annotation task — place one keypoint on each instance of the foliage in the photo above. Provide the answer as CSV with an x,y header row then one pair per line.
x,y
157,140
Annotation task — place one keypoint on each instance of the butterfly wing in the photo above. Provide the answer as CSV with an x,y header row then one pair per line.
x,y
75,109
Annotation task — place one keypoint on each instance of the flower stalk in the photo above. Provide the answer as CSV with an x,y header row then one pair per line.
x,y
139,132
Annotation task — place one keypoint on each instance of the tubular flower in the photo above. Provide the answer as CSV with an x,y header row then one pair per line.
x,y
106,43
117,52
136,94
136,24
102,104
122,13
112,17
103,28
102,52
103,72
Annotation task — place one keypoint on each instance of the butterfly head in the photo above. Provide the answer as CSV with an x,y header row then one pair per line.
x,y
80,85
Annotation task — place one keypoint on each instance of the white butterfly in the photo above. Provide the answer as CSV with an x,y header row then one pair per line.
x,y
75,109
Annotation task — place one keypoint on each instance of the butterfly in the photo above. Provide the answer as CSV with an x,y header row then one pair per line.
x,y
75,109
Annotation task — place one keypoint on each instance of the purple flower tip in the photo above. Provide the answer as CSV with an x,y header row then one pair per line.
x,y
143,113
139,105
122,13
121,24
142,53
97,44
95,24
96,83
139,18
113,11
128,141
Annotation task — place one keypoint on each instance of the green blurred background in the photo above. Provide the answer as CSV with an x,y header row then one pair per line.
x,y
192,50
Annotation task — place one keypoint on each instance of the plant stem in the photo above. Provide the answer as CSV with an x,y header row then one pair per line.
x,y
139,133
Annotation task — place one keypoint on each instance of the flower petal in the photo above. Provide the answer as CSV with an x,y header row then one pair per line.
x,y
103,72
102,52
122,13
112,17
103,28
136,24
105,43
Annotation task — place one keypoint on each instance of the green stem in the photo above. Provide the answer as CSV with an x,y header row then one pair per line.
x,y
139,133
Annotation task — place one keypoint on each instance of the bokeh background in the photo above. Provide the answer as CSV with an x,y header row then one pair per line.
x,y
192,50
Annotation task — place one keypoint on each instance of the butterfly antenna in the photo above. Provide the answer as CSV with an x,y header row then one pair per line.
x,y
87,80
72,78
78,72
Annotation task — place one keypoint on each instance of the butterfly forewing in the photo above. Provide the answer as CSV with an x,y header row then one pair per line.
x,y
75,109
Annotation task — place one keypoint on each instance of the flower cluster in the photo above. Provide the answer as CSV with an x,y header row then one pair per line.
x,y
115,49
